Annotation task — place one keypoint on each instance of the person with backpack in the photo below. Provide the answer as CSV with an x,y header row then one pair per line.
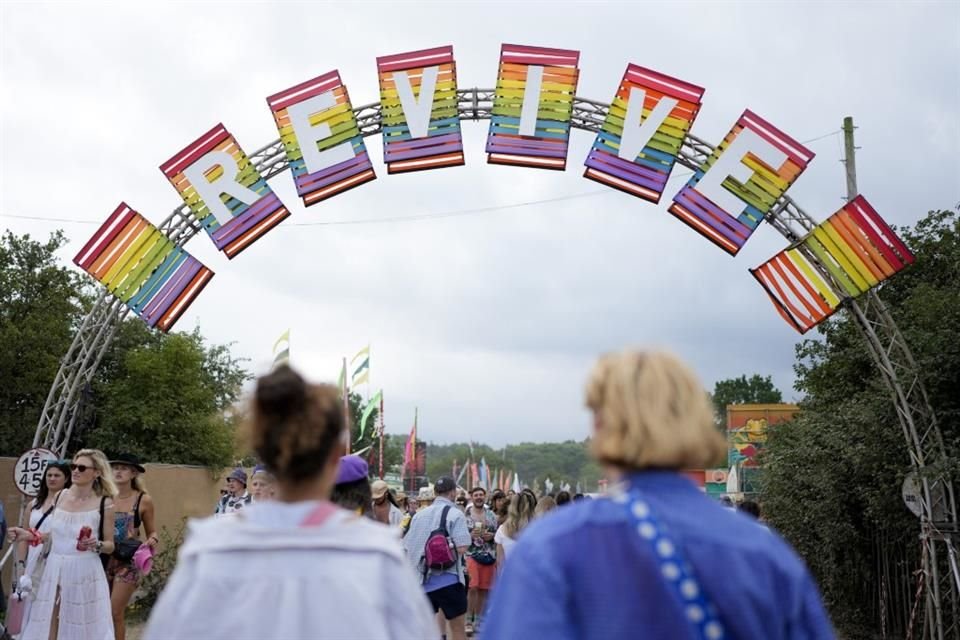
x,y
436,541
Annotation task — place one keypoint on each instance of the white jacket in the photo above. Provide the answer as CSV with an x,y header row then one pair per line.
x,y
260,576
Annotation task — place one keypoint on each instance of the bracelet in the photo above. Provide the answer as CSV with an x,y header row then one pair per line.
x,y
37,538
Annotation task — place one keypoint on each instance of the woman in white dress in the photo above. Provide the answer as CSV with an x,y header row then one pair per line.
x,y
72,601
306,568
55,478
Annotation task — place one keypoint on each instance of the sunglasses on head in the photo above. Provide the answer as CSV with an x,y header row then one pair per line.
x,y
79,467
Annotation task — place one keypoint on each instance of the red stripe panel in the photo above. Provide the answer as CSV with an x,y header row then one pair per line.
x,y
304,90
777,138
102,241
194,151
415,59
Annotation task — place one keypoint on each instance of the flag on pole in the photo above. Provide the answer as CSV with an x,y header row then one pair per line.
x,y
463,471
283,355
361,371
454,469
516,483
368,411
489,481
343,376
474,475
483,473
410,451
548,484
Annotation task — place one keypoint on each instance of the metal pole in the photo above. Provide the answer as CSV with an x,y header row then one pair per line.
x,y
849,158
346,406
381,436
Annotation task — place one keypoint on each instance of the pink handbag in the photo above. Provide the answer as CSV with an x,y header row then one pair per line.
x,y
15,608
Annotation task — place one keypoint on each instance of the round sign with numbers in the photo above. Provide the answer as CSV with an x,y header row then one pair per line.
x,y
31,465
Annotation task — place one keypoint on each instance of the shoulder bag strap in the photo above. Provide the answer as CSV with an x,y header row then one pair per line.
x,y
50,510
103,501
136,513
443,519
698,609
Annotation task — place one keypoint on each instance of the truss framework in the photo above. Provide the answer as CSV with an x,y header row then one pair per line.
x,y
883,338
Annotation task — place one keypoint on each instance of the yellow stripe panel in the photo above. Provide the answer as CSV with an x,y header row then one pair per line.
x,y
835,271
838,254
814,278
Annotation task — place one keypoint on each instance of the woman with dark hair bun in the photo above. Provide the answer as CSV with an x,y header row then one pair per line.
x,y
331,573
56,477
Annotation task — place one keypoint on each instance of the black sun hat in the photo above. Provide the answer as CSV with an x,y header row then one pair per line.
x,y
130,460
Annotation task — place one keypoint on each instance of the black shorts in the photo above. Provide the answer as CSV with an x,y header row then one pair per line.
x,y
452,600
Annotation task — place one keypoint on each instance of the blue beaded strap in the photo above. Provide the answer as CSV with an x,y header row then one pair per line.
x,y
697,608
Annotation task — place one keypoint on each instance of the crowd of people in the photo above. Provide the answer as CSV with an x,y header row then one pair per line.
x,y
333,554
79,557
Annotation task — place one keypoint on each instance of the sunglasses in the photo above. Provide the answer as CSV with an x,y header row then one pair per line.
x,y
82,468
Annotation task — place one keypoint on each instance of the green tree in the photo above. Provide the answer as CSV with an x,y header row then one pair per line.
x,y
832,477
41,303
753,390
167,398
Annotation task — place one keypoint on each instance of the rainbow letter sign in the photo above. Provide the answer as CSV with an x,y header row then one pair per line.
x,y
640,136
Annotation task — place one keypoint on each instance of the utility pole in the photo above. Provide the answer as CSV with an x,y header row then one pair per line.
x,y
938,519
849,158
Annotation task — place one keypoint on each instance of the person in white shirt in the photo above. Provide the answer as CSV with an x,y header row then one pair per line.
x,y
319,571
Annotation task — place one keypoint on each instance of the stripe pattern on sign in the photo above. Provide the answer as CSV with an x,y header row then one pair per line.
x,y
250,221
142,267
731,230
442,144
645,174
856,248
337,178
532,128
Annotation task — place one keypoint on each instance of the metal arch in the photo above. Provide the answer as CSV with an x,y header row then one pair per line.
x,y
884,341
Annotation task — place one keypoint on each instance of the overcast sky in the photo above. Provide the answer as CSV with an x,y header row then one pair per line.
x,y
489,323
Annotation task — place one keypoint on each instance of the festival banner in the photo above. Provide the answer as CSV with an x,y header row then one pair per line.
x,y
362,371
727,198
142,267
321,137
224,191
533,107
640,138
282,356
855,246
418,107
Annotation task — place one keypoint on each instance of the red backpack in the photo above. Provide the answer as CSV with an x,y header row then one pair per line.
x,y
438,553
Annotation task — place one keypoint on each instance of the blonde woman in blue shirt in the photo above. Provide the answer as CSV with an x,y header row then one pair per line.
x,y
658,559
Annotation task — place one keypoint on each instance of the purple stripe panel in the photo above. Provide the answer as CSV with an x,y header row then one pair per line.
x,y
309,183
422,153
162,301
684,198
628,171
261,209
527,142
410,145
336,168
521,151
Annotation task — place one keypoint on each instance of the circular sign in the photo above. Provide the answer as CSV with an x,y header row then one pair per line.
x,y
912,494
29,470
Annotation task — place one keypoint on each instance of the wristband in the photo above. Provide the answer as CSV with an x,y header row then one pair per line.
x,y
37,538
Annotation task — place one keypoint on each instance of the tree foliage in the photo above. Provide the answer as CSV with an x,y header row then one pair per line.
x,y
833,477
40,304
167,398
568,461
753,390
